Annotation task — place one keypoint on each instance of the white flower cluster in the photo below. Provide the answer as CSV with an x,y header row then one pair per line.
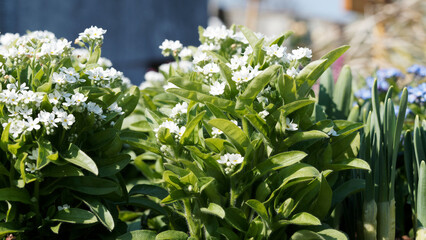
x,y
28,110
230,160
170,47
173,128
38,44
92,34
152,78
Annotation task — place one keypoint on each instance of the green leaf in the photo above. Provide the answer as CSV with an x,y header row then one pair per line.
x,y
45,152
112,165
306,235
280,40
95,55
332,234
215,144
303,219
224,104
129,100
217,56
250,36
236,218
15,195
259,208
191,126
10,227
351,163
101,212
296,105
228,233
278,161
342,95
147,204
233,132
347,188
138,235
421,195
75,215
187,84
149,190
5,137
304,136
214,209
75,156
60,171
89,185
171,235
324,199
255,86
325,96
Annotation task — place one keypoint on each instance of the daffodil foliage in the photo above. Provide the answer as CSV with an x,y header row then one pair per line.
x,y
61,111
230,130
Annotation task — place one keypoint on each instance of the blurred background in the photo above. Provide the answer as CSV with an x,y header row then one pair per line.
x,y
381,33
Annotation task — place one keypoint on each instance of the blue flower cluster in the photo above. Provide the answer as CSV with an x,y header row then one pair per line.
x,y
418,70
417,94
382,84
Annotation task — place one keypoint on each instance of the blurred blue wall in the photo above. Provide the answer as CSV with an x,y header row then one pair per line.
x,y
135,27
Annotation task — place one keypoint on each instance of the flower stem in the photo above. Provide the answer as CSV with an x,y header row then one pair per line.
x,y
191,224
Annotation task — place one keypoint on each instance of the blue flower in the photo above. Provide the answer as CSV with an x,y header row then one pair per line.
x,y
418,70
363,93
417,94
407,111
387,73
382,84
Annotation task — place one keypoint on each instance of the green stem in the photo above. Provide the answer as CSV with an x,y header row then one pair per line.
x,y
193,230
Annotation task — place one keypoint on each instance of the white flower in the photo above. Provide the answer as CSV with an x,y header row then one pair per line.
x,y
71,75
92,33
239,36
104,62
78,99
216,132
185,52
178,109
248,51
263,114
115,108
217,88
94,108
237,62
54,97
208,47
47,118
199,57
33,155
153,76
59,78
230,159
65,119
290,125
63,207
300,53
333,133
25,111
292,72
245,74
217,33
181,132
275,50
27,96
211,68
33,124
17,127
169,46
172,126
8,38
31,167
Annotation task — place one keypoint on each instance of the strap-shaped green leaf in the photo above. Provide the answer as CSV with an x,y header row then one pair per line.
x,y
75,215
237,137
280,40
259,208
102,213
138,234
221,103
15,195
342,94
185,83
214,209
172,235
77,157
255,86
304,136
236,218
4,140
191,126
